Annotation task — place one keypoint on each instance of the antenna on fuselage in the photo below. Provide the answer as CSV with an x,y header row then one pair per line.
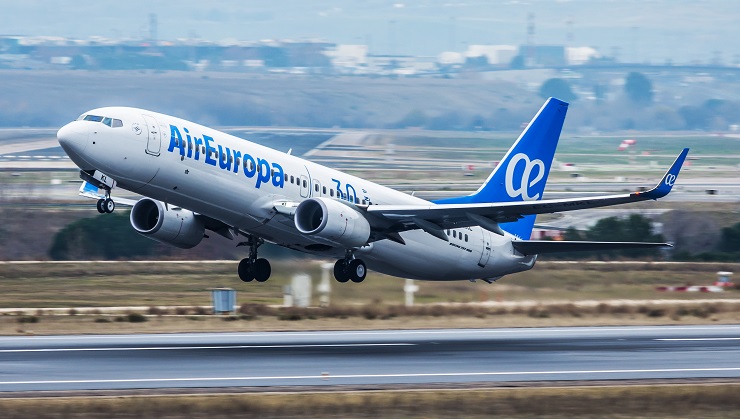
x,y
290,151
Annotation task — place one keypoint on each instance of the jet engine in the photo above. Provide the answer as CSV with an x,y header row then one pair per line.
x,y
333,221
167,224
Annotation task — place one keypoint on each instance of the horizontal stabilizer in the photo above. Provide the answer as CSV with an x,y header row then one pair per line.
x,y
534,247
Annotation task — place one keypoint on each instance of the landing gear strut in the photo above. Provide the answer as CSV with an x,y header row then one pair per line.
x,y
252,268
350,269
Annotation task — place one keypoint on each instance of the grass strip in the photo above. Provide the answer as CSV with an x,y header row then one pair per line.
x,y
654,401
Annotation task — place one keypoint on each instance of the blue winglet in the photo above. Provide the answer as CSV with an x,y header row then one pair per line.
x,y
669,179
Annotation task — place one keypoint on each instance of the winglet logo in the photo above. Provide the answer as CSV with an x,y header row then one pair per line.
x,y
670,179
524,182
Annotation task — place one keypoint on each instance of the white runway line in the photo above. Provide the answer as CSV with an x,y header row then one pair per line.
x,y
696,339
350,376
465,332
180,348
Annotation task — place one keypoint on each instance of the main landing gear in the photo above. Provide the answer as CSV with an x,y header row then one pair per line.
x,y
350,269
252,268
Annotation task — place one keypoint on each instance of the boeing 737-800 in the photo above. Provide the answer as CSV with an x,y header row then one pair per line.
x,y
194,178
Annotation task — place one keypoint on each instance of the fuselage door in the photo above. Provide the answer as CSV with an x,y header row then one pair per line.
x,y
154,144
304,186
486,250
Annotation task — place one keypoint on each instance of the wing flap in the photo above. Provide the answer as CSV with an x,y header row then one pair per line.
x,y
534,247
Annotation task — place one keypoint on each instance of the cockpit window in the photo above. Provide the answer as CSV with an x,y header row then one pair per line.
x,y
111,122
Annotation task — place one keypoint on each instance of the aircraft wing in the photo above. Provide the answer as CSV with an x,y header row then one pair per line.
x,y
433,218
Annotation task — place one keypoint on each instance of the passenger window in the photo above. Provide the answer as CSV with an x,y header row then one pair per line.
x,y
107,121
454,234
331,193
292,179
316,187
117,123
93,118
466,237
237,162
305,184
323,190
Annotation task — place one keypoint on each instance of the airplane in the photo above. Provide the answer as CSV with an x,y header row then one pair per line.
x,y
194,178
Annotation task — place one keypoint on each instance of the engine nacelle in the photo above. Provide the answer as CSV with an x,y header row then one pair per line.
x,y
166,224
333,221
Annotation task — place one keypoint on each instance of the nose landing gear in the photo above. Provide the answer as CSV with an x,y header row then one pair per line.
x,y
106,205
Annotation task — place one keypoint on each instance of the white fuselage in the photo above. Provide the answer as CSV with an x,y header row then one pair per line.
x,y
240,183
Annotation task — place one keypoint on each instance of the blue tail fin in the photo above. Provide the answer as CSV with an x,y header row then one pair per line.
x,y
522,173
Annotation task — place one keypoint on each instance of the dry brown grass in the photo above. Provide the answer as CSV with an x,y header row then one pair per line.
x,y
658,401
258,317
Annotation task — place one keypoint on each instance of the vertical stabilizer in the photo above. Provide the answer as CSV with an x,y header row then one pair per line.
x,y
522,173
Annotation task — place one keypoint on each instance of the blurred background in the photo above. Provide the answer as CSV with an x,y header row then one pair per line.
x,y
422,96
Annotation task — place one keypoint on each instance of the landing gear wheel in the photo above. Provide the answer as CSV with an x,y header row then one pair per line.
x,y
99,205
246,273
356,270
252,268
108,205
262,270
340,271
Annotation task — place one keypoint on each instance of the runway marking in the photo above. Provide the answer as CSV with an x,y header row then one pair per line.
x,y
167,348
349,376
696,339
555,330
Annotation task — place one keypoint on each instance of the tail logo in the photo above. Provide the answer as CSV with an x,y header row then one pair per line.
x,y
524,182
670,180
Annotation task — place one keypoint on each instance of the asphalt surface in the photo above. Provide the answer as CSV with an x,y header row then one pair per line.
x,y
367,357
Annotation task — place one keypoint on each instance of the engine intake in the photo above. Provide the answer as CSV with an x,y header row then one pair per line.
x,y
166,224
333,221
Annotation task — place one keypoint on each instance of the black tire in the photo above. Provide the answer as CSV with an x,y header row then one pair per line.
x,y
99,205
109,205
262,270
246,273
340,271
357,270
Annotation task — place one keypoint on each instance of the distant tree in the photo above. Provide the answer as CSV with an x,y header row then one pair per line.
x,y
517,63
415,118
106,236
452,120
634,228
638,88
599,92
78,62
730,241
557,88
478,63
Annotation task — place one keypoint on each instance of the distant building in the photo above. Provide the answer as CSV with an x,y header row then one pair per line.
x,y
497,55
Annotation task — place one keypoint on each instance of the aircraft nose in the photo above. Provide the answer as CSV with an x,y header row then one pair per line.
x,y
73,137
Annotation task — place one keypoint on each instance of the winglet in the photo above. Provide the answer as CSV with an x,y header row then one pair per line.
x,y
666,184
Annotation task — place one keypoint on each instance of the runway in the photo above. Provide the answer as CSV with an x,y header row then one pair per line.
x,y
87,362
